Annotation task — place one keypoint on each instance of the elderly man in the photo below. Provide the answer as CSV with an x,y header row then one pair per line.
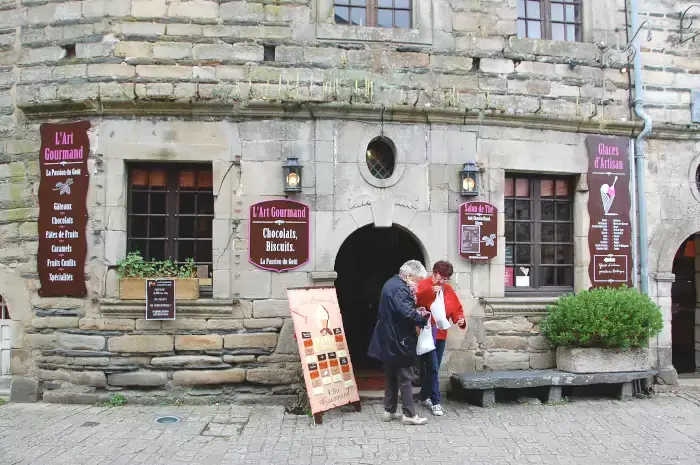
x,y
394,340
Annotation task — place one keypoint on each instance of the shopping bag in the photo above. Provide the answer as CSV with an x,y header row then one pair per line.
x,y
438,312
425,340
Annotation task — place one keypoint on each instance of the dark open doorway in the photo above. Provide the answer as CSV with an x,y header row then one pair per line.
x,y
365,261
683,298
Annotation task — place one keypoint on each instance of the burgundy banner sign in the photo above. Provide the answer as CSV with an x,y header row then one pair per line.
x,y
278,236
609,204
63,213
478,231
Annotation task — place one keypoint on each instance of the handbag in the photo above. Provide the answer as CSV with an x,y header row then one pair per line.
x,y
439,313
425,340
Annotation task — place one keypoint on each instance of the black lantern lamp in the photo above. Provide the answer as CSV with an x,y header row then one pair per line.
x,y
470,179
292,175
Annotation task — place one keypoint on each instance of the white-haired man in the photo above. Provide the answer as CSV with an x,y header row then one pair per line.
x,y
394,340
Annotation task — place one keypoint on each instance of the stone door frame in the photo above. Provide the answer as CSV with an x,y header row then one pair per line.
x,y
18,300
665,242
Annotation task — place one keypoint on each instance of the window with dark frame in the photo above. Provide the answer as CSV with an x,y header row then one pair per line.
x,y
539,234
170,212
550,19
381,160
374,13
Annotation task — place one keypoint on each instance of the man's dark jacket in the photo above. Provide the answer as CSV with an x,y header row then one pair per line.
x,y
394,339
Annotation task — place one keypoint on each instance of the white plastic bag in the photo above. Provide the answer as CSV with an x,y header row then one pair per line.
x,y
425,340
438,312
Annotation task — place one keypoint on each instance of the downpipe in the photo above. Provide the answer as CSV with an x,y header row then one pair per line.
x,y
639,156
640,169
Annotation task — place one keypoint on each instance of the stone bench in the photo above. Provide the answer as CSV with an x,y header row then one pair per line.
x,y
479,388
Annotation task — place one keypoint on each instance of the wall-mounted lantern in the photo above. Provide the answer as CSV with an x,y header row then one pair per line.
x,y
292,175
470,179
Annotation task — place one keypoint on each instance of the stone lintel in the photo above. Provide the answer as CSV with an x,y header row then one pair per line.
x,y
664,277
201,308
521,306
324,276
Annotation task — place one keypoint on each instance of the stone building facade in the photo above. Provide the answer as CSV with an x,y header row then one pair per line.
x,y
235,88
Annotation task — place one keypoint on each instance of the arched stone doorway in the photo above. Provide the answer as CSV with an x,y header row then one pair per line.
x,y
365,261
17,315
684,298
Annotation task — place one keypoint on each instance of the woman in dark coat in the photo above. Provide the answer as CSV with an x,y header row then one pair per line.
x,y
394,340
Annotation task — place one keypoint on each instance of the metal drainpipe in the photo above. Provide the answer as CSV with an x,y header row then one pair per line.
x,y
639,158
633,217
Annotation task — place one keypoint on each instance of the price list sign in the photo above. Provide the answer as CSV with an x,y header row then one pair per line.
x,y
609,204
63,213
160,299
319,331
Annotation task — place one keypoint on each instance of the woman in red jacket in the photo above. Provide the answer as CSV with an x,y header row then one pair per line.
x,y
430,362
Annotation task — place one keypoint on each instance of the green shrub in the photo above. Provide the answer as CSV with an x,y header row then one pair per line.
x,y
602,317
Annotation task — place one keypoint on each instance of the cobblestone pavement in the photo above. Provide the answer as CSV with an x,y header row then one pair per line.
x,y
661,430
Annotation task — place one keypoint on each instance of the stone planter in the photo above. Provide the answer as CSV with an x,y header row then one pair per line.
x,y
135,289
594,360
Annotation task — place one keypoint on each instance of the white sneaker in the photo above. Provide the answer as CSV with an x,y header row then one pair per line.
x,y
388,416
414,420
438,410
428,403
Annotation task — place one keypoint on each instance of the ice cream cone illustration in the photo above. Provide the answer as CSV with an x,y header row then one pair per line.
x,y
607,195
322,318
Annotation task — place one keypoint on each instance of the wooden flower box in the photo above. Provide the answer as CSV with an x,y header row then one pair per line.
x,y
135,288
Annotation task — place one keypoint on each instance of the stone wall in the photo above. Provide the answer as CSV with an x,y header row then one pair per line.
x,y
459,55
186,358
670,73
499,342
243,85
242,337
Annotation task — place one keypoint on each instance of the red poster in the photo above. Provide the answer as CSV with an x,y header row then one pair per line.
x,y
510,276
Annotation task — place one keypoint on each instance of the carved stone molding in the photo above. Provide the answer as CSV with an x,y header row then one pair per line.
x,y
383,206
346,111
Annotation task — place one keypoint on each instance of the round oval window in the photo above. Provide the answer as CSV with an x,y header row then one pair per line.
x,y
380,158
697,178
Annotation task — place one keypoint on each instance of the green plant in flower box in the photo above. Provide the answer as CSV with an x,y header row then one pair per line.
x,y
134,270
604,318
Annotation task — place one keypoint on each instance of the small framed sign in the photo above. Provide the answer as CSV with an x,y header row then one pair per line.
x,y
478,231
160,299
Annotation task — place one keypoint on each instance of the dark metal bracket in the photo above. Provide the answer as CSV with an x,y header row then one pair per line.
x,y
686,27
622,55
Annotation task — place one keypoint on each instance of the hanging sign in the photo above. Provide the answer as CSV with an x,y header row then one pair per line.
x,y
478,231
609,204
160,299
278,236
63,188
318,327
